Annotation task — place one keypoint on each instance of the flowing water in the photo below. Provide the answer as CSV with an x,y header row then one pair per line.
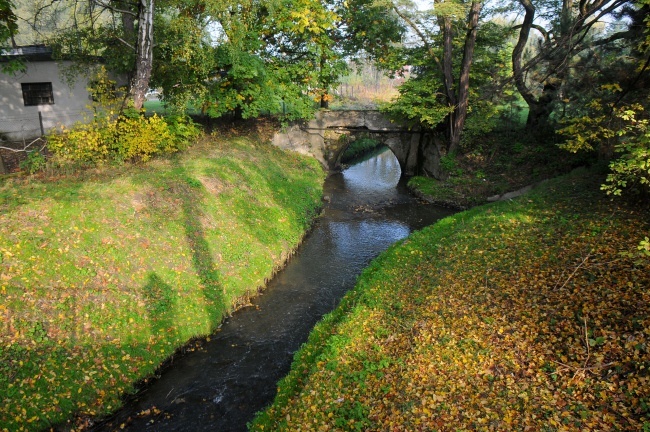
x,y
220,386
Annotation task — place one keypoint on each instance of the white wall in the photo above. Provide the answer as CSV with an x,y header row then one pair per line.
x,y
18,121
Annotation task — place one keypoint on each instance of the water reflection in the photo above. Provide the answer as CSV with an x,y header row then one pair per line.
x,y
222,386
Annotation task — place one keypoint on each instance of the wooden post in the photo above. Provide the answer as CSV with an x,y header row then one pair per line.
x,y
40,122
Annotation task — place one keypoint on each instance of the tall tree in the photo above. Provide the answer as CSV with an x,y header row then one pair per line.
x,y
564,30
442,54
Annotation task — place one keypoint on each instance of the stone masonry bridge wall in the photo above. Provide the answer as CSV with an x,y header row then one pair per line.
x,y
328,135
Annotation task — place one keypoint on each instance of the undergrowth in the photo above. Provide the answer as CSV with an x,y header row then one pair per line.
x,y
359,148
502,161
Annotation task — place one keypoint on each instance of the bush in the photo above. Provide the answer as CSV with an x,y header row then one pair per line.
x,y
621,130
182,129
140,138
127,137
33,163
83,143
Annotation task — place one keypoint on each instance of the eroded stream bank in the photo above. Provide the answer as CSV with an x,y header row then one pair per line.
x,y
222,385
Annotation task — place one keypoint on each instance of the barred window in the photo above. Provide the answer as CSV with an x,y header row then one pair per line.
x,y
38,93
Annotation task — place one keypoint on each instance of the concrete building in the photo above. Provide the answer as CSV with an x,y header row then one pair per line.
x,y
39,99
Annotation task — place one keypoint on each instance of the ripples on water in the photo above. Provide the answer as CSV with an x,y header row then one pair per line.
x,y
221,386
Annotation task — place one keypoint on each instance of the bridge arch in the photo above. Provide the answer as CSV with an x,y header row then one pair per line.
x,y
326,137
348,137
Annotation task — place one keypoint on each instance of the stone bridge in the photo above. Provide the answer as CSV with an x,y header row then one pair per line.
x,y
328,135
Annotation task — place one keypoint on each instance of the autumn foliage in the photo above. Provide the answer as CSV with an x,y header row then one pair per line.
x,y
531,314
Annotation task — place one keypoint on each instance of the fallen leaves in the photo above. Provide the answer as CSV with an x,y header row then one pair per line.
x,y
94,296
522,316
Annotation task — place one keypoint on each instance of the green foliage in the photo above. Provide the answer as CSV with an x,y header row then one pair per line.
x,y
84,43
359,148
184,62
419,102
140,138
430,97
8,28
127,137
8,20
106,99
182,129
34,162
372,29
622,130
87,142
243,86
449,163
632,167
644,247
483,117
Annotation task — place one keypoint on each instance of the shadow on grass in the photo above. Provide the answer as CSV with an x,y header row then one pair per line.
x,y
286,191
202,258
189,196
159,299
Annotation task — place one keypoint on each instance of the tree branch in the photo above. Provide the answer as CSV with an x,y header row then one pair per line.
x,y
417,31
518,51
539,28
25,146
114,9
125,42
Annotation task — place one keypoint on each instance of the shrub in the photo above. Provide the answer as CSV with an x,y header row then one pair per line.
x,y
621,130
140,138
183,130
33,163
127,137
84,142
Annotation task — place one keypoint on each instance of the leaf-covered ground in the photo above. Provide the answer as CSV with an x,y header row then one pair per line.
x,y
532,314
104,275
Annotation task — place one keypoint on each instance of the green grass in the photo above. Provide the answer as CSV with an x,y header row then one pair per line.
x,y
526,314
105,275
158,107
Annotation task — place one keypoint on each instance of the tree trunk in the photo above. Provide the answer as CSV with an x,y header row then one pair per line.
x,y
460,112
143,53
540,108
517,54
324,101
447,61
539,111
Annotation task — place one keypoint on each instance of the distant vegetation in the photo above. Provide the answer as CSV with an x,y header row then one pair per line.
x,y
579,70
359,148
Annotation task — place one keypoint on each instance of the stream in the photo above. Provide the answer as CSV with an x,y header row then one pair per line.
x,y
221,385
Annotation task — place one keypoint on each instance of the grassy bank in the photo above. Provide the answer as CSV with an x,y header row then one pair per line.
x,y
105,275
531,314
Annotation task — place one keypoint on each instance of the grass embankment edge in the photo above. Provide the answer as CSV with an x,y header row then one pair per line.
x,y
106,274
526,313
